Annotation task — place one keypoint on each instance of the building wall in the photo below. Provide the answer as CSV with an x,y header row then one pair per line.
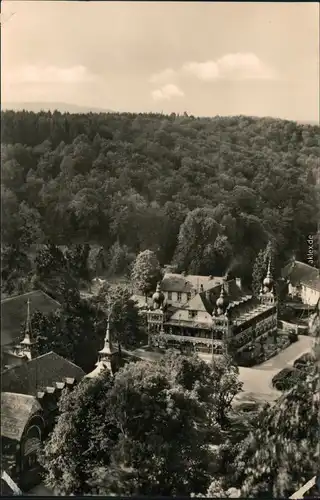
x,y
187,315
9,359
309,295
176,298
294,291
257,328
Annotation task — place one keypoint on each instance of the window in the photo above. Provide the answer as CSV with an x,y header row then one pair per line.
x,y
192,314
189,295
218,335
169,295
217,349
179,296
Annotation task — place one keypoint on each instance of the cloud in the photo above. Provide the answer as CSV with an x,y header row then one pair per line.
x,y
164,76
167,92
50,75
239,66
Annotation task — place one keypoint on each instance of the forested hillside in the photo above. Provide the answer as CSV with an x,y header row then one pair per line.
x,y
205,193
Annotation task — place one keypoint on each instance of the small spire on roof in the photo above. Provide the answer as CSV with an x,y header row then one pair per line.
x,y
26,345
107,348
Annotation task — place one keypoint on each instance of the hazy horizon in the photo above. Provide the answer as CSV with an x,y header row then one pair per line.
x,y
206,59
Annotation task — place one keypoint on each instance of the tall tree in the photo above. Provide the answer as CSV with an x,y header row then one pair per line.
x,y
126,324
16,270
77,261
120,260
215,385
145,272
142,435
53,274
76,332
75,446
261,265
283,452
195,250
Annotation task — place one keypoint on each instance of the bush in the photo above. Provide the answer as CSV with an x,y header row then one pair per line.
x,y
304,362
287,378
293,337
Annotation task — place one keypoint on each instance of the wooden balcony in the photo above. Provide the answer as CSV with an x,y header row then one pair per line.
x,y
185,338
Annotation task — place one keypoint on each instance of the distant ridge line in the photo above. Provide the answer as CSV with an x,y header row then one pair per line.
x,y
62,107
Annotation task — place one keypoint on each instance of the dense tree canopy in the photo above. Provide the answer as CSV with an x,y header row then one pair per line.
x,y
145,272
76,332
127,325
283,452
146,432
151,181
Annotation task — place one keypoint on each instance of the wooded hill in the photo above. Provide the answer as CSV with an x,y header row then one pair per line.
x,y
206,193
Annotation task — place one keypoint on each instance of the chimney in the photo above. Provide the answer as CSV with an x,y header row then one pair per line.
x,y
225,284
238,282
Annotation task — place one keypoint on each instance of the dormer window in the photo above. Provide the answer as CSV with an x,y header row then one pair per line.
x,y
192,314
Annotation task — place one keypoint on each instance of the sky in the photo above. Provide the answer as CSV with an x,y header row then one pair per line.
x,y
202,58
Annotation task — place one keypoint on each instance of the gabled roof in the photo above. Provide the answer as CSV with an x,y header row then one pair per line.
x,y
173,282
207,302
300,273
197,303
16,411
35,375
14,311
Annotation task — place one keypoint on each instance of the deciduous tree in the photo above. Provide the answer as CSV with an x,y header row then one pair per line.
x,y
283,452
126,324
145,272
139,436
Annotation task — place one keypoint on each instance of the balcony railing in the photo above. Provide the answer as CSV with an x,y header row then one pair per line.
x,y
185,338
190,323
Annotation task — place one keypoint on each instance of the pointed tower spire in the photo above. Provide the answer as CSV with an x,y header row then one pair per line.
x,y
269,268
107,349
267,295
27,344
268,280
105,354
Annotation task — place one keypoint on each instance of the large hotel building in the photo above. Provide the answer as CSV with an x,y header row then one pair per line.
x,y
213,315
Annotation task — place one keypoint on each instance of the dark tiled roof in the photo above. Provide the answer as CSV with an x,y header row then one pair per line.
x,y
16,410
207,301
300,273
179,283
233,294
175,283
39,373
10,359
314,283
14,311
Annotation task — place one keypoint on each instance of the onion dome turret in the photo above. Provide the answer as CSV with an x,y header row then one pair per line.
x,y
222,302
158,298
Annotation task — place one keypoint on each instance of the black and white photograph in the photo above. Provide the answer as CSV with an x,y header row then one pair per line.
x,y
160,249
